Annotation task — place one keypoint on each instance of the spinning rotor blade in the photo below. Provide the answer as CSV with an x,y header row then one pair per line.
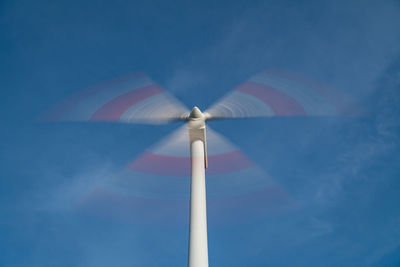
x,y
277,93
230,172
171,155
155,186
130,99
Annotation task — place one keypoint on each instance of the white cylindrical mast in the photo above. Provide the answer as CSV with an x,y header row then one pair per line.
x,y
198,246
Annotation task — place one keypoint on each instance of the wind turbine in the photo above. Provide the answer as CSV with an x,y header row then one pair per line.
x,y
137,99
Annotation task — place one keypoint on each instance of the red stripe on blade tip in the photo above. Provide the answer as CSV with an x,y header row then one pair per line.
x,y
114,109
281,103
62,107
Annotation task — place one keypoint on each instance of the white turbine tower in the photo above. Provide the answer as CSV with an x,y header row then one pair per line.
x,y
198,246
137,99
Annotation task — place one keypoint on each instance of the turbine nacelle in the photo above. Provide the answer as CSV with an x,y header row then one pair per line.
x,y
197,129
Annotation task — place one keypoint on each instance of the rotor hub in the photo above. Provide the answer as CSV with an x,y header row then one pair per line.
x,y
196,113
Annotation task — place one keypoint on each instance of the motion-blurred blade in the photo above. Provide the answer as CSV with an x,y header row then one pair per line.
x,y
171,156
133,98
277,93
156,186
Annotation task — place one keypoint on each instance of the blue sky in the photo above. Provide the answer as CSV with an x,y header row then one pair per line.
x,y
342,172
